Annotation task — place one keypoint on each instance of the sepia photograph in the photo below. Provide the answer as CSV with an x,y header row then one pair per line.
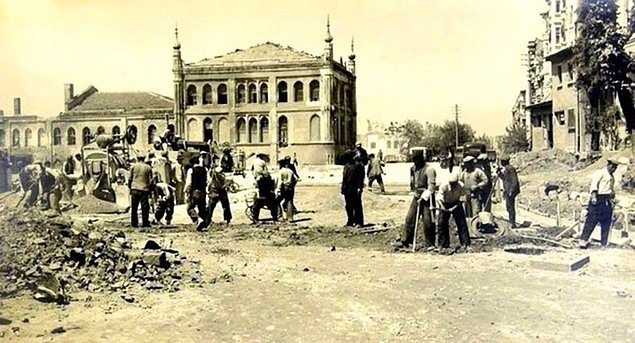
x,y
317,171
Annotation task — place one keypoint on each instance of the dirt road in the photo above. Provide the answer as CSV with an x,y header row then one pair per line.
x,y
269,284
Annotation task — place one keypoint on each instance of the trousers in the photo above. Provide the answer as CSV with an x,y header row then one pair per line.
x,y
269,201
510,205
139,198
461,224
379,180
164,207
287,194
354,208
426,220
601,213
217,196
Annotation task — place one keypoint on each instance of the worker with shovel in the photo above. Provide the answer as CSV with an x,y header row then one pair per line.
x,y
449,204
424,184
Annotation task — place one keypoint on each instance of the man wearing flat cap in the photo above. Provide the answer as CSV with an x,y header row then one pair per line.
x,y
511,187
475,182
601,204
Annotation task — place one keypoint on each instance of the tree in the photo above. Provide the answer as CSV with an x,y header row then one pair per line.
x,y
515,139
602,64
410,133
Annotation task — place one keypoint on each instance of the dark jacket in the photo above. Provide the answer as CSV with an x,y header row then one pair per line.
x,y
140,177
510,181
352,178
227,163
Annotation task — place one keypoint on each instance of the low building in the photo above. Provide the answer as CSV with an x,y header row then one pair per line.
x,y
379,141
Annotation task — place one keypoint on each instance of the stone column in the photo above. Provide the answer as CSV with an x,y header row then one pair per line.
x,y
231,105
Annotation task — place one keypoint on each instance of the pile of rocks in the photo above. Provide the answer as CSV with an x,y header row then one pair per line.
x,y
52,256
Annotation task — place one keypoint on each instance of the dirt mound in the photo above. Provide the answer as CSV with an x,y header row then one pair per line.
x,y
89,204
52,256
551,161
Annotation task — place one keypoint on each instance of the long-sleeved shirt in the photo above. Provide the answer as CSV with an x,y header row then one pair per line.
x,y
140,177
510,181
474,179
603,182
163,191
177,172
352,178
451,194
215,181
375,167
286,178
424,179
260,167
162,167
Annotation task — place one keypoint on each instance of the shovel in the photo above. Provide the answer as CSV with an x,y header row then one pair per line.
x,y
414,239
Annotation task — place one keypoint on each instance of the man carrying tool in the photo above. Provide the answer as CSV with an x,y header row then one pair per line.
x,y
511,188
140,183
423,180
449,204
484,165
375,172
217,192
475,181
195,192
601,204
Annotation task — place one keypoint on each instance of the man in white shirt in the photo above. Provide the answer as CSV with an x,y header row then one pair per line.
x,y
449,202
600,209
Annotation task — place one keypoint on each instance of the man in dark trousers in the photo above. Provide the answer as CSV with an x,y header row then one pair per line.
x,y
423,182
352,187
449,203
511,187
195,192
164,195
217,191
266,196
140,185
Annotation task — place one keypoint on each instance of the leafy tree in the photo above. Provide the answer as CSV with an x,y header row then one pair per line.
x,y
515,139
602,64
410,133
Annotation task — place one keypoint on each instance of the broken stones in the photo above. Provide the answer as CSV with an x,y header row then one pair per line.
x,y
158,259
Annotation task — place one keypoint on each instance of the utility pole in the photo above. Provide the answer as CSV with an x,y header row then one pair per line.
x,y
456,125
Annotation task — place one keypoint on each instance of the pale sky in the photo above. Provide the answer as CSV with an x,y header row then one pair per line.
x,y
415,58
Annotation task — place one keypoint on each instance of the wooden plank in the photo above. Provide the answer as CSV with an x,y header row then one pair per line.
x,y
570,266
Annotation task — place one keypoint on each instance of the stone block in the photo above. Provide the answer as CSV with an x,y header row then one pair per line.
x,y
562,265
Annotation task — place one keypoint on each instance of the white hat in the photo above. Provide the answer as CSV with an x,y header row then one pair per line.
x,y
468,159
482,157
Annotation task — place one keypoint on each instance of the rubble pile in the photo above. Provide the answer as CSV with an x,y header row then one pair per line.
x,y
551,161
53,255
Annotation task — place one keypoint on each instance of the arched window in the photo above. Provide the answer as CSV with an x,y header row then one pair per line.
x,y
152,133
241,130
253,130
208,130
116,132
57,136
193,130
253,94
298,91
222,94
240,94
314,90
282,92
27,137
70,136
207,94
15,138
85,136
283,131
41,137
101,130
314,128
223,130
264,130
2,138
388,145
264,93
191,95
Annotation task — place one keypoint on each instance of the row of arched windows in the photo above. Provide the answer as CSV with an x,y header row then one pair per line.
x,y
253,94
28,138
255,130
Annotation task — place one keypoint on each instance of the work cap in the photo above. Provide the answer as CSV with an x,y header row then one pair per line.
x,y
482,157
468,159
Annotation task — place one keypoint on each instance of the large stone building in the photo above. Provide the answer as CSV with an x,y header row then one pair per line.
x,y
269,98
555,107
266,98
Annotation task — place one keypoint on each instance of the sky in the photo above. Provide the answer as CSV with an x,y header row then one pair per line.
x,y
416,59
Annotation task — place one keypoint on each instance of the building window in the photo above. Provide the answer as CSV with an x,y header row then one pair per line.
x,y
253,94
558,6
336,92
388,145
152,132
283,131
559,75
264,93
15,138
264,130
222,94
570,71
191,95
314,90
207,94
373,145
240,94
571,119
116,132
558,30
349,98
27,137
41,136
395,145
241,130
282,92
298,91
560,117
70,136
208,130
85,136
253,130
2,138
314,128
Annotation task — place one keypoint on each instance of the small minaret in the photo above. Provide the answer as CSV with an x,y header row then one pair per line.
x,y
177,70
351,57
328,48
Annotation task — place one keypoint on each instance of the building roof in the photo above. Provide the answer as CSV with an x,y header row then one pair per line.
x,y
126,101
266,53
